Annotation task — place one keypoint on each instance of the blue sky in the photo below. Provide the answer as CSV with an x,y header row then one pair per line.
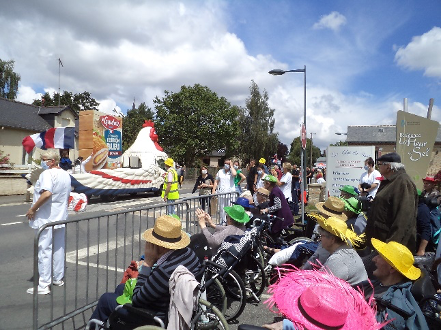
x,y
362,57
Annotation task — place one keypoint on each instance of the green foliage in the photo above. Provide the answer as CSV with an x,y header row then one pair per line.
x,y
78,101
8,80
296,148
340,143
257,125
133,122
195,121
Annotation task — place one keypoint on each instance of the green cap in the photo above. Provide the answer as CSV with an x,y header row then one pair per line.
x,y
353,205
418,192
349,189
237,213
270,178
127,295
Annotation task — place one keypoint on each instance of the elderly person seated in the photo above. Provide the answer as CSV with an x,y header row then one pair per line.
x,y
356,218
348,191
165,250
236,220
394,272
343,261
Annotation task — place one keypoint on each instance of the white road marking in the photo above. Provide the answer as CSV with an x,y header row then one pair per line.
x,y
12,223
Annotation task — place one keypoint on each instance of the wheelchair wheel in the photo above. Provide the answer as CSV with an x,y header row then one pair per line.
x,y
216,295
235,294
297,239
208,317
254,279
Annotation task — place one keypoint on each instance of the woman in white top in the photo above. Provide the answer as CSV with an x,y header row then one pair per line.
x,y
260,176
223,183
370,180
285,182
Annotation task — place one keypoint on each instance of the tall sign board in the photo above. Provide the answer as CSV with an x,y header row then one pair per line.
x,y
344,166
415,139
100,134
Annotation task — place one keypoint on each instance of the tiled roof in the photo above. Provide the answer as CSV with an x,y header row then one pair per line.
x,y
376,134
20,115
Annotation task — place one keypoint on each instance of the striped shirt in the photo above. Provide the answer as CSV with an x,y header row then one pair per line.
x,y
152,287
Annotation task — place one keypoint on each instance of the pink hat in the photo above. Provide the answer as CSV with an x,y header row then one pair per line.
x,y
429,179
317,300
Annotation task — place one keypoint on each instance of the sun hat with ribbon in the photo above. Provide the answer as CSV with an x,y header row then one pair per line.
x,y
349,189
317,300
398,256
262,160
353,205
127,295
333,206
339,228
237,213
167,233
270,178
169,162
244,202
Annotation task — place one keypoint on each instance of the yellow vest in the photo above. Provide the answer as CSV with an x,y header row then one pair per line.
x,y
173,194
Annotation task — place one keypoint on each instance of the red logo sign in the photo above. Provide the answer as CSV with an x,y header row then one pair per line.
x,y
110,122
303,136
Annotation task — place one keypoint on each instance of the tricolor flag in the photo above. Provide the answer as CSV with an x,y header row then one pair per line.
x,y
52,138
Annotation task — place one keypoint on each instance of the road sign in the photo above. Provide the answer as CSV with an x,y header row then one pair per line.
x,y
303,134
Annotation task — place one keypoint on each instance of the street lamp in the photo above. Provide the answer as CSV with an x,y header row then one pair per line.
x,y
341,133
279,72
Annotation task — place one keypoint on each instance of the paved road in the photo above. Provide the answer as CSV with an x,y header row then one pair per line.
x,y
16,245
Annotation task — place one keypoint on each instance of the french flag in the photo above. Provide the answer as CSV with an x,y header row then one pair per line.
x,y
62,137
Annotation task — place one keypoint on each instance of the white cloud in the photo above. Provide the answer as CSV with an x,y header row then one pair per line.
x,y
333,21
27,94
109,107
423,52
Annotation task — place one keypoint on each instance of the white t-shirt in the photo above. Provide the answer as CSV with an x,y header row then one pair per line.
x,y
57,181
226,181
286,188
260,181
371,179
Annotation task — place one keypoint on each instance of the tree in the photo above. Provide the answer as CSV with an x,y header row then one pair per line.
x,y
296,148
340,143
195,121
78,101
8,80
133,122
282,151
256,127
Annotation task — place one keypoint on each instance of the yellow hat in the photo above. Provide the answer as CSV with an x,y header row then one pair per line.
x,y
169,162
339,228
262,160
398,256
167,233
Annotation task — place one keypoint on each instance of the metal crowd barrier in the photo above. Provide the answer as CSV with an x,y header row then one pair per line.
x,y
97,252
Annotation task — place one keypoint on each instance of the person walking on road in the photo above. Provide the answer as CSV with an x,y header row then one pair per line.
x,y
170,191
50,201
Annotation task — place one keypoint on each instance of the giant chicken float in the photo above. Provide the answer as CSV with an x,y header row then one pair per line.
x,y
139,172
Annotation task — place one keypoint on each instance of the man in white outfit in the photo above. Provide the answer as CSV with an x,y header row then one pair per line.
x,y
50,201
224,183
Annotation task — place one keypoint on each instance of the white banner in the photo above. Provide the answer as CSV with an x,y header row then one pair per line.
x,y
344,166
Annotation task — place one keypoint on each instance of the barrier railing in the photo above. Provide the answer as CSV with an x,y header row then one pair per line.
x,y
97,252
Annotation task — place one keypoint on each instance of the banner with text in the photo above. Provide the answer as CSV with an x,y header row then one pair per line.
x,y
344,166
415,139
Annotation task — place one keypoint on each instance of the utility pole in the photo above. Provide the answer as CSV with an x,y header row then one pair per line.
x,y
60,64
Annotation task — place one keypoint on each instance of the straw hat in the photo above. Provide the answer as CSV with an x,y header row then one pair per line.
x,y
167,233
333,206
339,228
263,191
237,213
169,162
317,300
353,205
398,256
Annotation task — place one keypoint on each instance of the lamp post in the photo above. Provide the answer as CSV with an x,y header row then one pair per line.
x,y
310,155
279,72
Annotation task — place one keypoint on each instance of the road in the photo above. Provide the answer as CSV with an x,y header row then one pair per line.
x,y
16,245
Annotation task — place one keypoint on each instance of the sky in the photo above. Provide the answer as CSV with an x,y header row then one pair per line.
x,y
362,58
